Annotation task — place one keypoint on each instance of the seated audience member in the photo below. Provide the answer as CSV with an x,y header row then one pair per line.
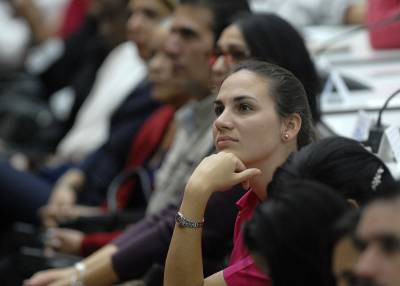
x,y
24,193
378,240
343,165
267,37
73,69
158,138
289,235
113,99
262,117
345,254
383,16
303,13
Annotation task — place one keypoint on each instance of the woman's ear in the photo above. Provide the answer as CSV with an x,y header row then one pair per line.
x,y
291,127
353,203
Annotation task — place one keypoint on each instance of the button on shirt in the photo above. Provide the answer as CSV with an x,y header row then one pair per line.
x,y
242,269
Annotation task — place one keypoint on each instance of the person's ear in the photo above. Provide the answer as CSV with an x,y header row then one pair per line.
x,y
353,204
291,127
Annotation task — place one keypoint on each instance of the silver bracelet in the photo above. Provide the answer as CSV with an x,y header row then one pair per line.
x,y
186,223
77,279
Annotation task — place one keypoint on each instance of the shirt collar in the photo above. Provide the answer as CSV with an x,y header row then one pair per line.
x,y
196,113
248,201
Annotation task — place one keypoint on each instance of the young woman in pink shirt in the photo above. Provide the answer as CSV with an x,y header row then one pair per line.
x,y
262,116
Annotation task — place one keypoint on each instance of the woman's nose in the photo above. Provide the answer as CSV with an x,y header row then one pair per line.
x,y
219,67
224,121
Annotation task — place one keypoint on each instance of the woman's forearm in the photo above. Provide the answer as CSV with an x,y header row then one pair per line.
x,y
184,264
99,270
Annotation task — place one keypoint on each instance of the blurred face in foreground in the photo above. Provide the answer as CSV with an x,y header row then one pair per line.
x,y
345,256
378,238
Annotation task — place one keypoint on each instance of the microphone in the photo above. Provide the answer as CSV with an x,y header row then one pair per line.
x,y
371,26
377,130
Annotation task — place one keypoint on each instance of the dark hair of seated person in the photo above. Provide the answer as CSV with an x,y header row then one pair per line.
x,y
271,38
288,94
289,234
341,163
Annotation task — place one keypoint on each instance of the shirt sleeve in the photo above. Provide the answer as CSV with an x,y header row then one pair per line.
x,y
244,272
147,241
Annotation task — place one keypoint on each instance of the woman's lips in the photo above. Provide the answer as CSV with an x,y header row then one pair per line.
x,y
225,141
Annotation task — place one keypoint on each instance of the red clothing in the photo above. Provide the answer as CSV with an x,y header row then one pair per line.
x,y
386,36
93,242
242,269
74,15
143,147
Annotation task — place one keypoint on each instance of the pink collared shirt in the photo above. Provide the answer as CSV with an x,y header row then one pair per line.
x,y
242,269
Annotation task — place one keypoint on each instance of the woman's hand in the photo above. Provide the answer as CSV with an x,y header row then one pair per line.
x,y
60,206
65,240
219,172
56,277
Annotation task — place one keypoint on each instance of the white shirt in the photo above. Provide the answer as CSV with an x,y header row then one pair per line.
x,y
120,73
14,38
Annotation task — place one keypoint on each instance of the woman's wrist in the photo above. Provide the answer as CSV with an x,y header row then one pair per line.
x,y
79,274
194,203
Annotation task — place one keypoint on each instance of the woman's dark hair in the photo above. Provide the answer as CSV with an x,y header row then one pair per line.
x,y
272,39
346,225
341,163
223,11
288,94
290,231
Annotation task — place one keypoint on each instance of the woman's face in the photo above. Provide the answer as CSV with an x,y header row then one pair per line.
x,y
166,89
231,49
247,124
143,22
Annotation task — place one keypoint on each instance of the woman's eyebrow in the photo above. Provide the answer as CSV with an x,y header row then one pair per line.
x,y
243,97
238,98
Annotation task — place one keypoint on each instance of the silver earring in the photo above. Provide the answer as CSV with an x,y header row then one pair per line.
x,y
286,136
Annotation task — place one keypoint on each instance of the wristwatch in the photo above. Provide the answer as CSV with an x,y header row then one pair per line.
x,y
186,223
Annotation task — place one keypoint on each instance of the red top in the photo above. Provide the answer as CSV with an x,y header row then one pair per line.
x,y
143,146
242,269
386,36
74,15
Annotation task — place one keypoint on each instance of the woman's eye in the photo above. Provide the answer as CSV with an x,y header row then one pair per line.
x,y
218,110
245,107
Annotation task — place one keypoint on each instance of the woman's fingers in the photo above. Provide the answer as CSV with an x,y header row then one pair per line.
x,y
244,176
43,278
